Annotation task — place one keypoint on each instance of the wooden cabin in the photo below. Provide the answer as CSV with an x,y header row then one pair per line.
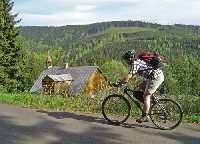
x,y
56,84
96,83
86,80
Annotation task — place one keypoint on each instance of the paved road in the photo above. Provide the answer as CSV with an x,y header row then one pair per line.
x,y
27,126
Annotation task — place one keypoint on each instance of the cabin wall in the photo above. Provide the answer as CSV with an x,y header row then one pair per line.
x,y
47,85
54,87
96,83
61,87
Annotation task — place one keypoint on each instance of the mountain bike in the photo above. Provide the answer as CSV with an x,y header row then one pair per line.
x,y
165,113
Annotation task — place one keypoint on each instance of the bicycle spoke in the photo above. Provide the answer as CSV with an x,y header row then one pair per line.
x,y
116,109
166,114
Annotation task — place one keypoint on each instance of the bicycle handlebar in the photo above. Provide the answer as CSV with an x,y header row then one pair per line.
x,y
118,84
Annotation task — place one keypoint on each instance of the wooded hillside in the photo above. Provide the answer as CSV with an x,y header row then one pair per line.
x,y
102,44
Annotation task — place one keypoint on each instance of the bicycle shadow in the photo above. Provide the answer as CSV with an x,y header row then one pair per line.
x,y
77,116
91,118
135,125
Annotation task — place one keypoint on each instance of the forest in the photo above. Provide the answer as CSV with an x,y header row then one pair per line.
x,y
103,44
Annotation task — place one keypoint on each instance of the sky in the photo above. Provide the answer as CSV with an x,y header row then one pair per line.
x,y
78,12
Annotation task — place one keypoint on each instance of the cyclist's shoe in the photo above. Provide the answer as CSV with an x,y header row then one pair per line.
x,y
143,119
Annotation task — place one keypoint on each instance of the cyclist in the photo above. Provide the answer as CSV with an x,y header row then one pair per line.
x,y
151,72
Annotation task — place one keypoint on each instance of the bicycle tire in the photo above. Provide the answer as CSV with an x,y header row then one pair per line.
x,y
114,117
166,110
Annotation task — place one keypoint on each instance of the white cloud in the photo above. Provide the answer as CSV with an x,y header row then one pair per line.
x,y
58,19
85,7
167,11
64,12
97,1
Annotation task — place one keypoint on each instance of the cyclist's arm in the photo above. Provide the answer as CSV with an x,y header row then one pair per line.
x,y
132,71
127,78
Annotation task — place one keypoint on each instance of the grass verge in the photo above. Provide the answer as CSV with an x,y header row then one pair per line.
x,y
73,103
56,102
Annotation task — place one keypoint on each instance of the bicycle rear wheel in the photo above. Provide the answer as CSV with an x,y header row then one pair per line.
x,y
166,114
116,109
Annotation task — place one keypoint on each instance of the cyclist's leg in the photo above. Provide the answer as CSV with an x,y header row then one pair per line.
x,y
147,104
146,97
151,87
139,91
142,86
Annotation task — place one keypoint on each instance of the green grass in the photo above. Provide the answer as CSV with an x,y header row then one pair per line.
x,y
72,103
194,118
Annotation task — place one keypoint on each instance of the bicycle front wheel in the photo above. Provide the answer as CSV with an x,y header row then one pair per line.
x,y
116,109
166,114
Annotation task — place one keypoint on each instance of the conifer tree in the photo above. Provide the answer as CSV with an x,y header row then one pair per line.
x,y
12,63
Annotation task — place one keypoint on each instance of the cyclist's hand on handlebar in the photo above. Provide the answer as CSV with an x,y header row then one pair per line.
x,y
119,84
116,84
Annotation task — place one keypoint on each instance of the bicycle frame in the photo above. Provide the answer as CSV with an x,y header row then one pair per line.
x,y
157,110
138,102
132,97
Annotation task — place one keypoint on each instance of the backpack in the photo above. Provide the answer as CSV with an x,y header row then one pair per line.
x,y
151,58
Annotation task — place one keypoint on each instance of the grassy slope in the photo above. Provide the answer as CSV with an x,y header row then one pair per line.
x,y
74,103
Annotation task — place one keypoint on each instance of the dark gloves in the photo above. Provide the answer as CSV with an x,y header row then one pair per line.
x,y
119,83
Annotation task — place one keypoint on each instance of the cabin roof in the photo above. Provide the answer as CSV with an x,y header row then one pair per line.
x,y
60,77
80,76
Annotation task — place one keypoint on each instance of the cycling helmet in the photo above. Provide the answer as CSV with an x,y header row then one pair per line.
x,y
129,56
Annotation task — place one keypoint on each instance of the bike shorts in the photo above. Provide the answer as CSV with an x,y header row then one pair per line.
x,y
151,85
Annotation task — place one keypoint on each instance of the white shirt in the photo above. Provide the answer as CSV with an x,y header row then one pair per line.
x,y
143,69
